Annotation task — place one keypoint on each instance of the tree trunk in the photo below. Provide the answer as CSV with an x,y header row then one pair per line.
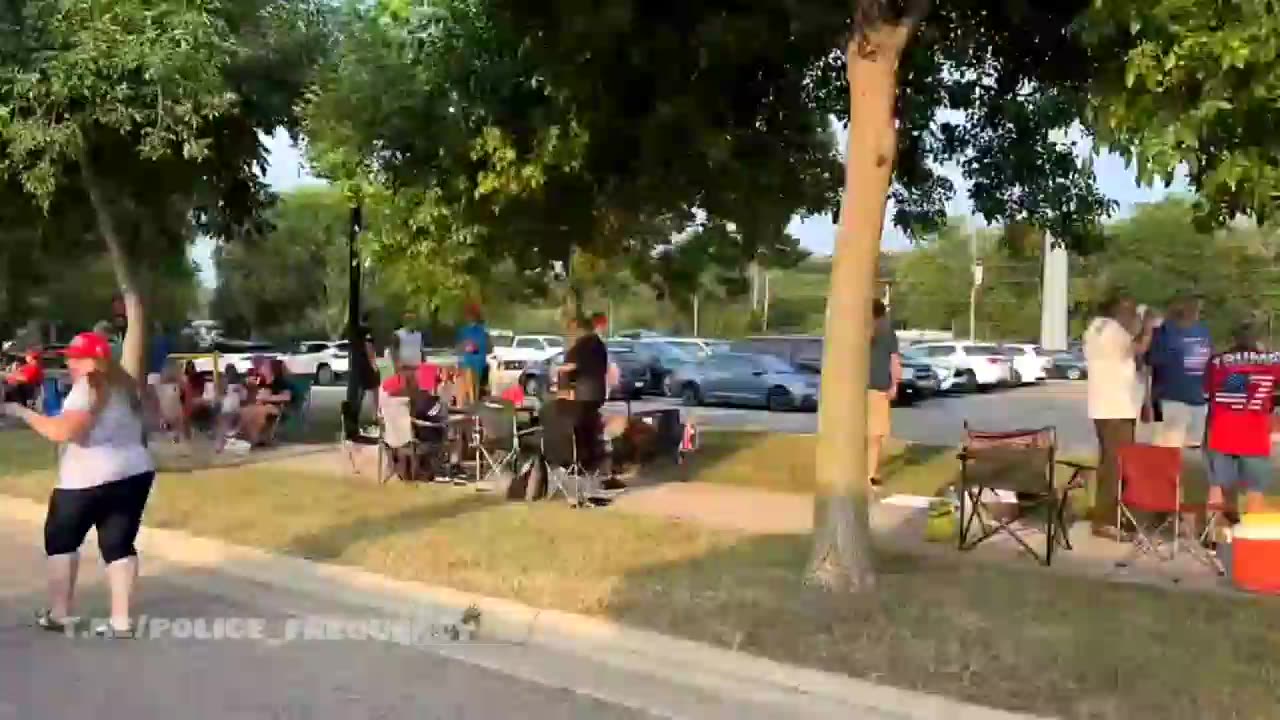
x,y
133,353
842,553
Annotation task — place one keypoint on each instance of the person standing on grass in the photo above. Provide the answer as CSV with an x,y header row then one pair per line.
x,y
1241,385
1115,396
24,382
882,387
1180,351
474,346
104,478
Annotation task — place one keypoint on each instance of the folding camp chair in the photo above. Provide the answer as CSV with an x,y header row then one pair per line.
x,y
1150,499
566,474
1018,466
296,415
400,438
496,442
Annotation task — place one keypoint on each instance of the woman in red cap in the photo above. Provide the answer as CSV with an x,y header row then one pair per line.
x,y
104,477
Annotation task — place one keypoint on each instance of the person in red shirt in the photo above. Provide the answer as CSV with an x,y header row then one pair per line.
x,y
426,377
1240,385
24,382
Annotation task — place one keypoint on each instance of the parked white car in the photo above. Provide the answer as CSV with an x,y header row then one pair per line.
x,y
1030,363
943,369
968,365
235,353
507,364
324,360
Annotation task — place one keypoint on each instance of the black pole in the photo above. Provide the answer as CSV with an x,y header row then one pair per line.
x,y
351,409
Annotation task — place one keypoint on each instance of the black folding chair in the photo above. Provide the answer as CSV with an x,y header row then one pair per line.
x,y
566,473
497,443
1022,463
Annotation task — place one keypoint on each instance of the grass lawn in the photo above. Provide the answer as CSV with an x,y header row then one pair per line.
x,y
1014,637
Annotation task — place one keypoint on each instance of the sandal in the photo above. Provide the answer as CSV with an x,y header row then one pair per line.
x,y
46,621
111,632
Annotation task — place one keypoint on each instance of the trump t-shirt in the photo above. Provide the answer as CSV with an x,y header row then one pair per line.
x,y
1241,387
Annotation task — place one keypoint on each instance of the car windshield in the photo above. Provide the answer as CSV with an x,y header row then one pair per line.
x,y
501,340
553,341
1012,351
982,350
716,348
773,364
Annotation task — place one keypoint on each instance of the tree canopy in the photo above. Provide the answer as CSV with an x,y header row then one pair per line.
x,y
1196,88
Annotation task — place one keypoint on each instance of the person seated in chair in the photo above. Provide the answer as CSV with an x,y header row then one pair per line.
x,y
22,385
269,394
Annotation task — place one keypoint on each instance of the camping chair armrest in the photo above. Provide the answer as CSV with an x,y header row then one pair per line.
x,y
1075,465
428,424
528,431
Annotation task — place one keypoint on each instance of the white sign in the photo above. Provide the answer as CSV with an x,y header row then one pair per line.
x,y
977,273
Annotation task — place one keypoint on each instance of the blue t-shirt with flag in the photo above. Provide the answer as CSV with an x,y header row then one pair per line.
x,y
1178,357
474,339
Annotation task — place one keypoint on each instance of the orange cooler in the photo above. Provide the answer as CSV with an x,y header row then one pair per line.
x,y
1255,554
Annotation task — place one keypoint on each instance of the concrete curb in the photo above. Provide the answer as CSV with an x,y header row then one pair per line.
x,y
685,662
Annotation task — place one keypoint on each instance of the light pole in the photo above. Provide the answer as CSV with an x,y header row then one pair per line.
x,y
973,298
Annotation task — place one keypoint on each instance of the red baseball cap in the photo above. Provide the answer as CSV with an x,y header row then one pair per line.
x,y
88,346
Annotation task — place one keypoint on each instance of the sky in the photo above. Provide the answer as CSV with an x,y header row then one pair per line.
x,y
286,170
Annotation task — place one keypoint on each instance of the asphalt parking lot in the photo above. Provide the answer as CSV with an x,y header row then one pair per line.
x,y
938,420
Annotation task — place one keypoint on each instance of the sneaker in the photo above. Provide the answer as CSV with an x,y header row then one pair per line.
x,y
111,632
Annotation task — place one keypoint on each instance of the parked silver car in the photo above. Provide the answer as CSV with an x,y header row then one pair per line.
x,y
746,379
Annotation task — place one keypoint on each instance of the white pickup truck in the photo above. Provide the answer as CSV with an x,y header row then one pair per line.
x,y
509,363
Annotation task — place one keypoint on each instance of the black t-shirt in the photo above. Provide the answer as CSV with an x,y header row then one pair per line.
x,y
363,368
591,358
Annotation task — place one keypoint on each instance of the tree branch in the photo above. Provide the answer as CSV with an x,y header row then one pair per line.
x,y
133,351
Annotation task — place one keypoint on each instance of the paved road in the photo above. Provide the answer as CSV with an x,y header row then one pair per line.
x,y
45,676
939,420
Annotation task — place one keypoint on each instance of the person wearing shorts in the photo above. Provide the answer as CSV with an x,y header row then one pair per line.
x,y
1240,385
1180,349
882,387
104,478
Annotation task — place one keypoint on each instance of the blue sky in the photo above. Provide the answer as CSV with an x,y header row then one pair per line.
x,y
286,169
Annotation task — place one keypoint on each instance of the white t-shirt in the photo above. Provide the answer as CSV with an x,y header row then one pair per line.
x,y
1115,388
410,347
111,450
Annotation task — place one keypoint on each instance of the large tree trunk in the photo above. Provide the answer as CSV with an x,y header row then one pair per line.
x,y
842,553
133,353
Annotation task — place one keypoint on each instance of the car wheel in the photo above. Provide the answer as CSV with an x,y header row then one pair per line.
x,y
691,395
324,375
668,390
532,386
1074,374
1016,378
970,381
779,399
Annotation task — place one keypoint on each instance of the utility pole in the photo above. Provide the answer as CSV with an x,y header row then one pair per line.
x,y
973,299
766,302
351,415
695,314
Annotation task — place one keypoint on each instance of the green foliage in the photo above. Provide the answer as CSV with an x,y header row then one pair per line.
x,y
154,106
1193,86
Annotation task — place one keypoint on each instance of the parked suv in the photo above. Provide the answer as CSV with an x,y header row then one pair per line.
x,y
323,360
973,366
1030,362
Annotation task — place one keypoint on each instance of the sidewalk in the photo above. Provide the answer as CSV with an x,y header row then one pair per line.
x,y
900,529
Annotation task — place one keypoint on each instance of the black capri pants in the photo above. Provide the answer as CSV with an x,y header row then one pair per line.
x,y
114,510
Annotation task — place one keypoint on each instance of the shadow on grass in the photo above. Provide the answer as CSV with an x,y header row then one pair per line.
x,y
332,543
1016,638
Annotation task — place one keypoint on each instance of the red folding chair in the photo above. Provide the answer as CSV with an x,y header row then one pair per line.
x,y
1151,487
